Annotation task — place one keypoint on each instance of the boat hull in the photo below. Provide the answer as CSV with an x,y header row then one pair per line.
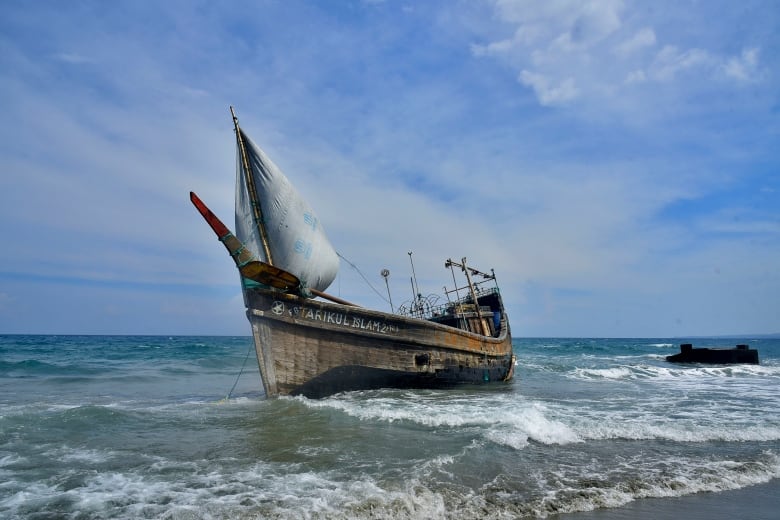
x,y
313,348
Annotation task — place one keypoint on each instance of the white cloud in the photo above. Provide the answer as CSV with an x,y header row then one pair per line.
x,y
642,39
493,48
556,45
743,68
73,58
396,146
636,76
553,27
586,54
587,19
595,21
549,94
670,61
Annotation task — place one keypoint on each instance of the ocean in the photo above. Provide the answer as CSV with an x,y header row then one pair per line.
x,y
178,427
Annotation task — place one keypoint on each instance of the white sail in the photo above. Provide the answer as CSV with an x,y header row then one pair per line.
x,y
295,237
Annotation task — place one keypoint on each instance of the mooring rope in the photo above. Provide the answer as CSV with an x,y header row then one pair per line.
x,y
227,397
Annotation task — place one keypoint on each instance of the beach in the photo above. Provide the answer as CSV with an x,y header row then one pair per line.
x,y
759,502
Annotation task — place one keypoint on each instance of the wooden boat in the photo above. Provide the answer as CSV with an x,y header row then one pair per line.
x,y
318,347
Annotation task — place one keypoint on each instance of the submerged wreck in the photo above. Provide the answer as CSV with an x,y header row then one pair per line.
x,y
313,344
719,356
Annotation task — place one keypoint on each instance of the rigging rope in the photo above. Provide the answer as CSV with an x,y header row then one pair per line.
x,y
227,397
363,276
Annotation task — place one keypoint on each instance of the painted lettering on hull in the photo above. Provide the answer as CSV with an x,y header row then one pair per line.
x,y
342,319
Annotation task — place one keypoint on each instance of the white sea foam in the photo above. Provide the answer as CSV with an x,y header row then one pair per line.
x,y
277,490
427,412
604,373
7,460
258,491
504,422
530,422
652,418
655,356
84,455
605,487
515,423
680,431
676,372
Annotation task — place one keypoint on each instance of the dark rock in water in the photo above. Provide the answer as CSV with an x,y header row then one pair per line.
x,y
721,356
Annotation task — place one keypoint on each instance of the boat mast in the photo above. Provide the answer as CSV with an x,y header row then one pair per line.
x,y
257,211
467,270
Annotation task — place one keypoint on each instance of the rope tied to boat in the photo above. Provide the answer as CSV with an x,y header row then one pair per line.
x,y
227,397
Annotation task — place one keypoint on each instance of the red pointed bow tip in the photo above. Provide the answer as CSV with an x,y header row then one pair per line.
x,y
219,228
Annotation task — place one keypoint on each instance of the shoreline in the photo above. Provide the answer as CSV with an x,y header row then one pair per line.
x,y
758,502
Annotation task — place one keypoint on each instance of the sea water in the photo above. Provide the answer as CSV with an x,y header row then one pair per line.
x,y
141,427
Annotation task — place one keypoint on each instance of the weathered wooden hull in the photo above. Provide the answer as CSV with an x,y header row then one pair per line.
x,y
315,349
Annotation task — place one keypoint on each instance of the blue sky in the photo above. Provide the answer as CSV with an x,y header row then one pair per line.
x,y
616,163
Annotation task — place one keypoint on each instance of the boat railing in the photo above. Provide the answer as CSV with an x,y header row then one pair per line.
x,y
426,309
421,307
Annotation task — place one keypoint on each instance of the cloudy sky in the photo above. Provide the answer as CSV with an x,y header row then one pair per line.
x,y
617,163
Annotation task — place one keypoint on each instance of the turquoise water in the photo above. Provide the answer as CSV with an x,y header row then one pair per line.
x,y
138,427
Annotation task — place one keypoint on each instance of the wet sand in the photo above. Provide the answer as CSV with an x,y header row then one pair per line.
x,y
760,502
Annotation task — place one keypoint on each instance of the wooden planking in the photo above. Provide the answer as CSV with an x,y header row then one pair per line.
x,y
307,339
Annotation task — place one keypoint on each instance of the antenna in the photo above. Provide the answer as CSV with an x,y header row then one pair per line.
x,y
385,274
415,288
